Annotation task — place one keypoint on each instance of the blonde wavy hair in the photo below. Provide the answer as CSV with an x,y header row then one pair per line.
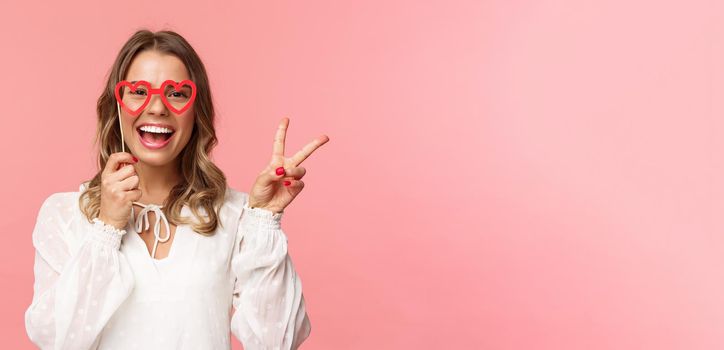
x,y
204,184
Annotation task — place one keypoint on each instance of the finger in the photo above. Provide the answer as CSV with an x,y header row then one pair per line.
x,y
133,195
307,150
270,174
294,173
123,164
129,183
122,173
115,159
294,185
279,140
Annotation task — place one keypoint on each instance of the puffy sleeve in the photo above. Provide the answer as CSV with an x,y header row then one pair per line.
x,y
268,301
81,278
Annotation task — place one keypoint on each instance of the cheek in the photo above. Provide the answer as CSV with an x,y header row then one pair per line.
x,y
127,121
186,121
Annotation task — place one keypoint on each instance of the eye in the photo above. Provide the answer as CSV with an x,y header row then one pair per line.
x,y
138,92
178,94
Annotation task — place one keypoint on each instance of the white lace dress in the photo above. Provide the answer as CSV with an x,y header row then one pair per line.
x,y
99,288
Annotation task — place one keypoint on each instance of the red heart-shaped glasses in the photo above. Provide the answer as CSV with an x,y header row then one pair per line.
x,y
139,93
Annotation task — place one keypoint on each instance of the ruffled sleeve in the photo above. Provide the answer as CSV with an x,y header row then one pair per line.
x,y
269,305
81,277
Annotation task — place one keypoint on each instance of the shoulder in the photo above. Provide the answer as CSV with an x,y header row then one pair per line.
x,y
60,205
55,215
232,207
235,200
61,209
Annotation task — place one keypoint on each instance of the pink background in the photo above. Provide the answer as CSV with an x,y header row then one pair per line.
x,y
500,175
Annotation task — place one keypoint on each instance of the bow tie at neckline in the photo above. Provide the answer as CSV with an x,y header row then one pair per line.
x,y
143,216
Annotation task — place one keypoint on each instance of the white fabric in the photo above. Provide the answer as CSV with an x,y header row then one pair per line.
x,y
143,215
98,288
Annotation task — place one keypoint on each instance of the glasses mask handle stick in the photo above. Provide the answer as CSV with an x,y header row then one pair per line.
x,y
123,143
123,148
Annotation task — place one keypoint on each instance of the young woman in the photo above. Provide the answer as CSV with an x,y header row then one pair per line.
x,y
214,260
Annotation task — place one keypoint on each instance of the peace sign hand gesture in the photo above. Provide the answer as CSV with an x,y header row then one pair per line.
x,y
280,182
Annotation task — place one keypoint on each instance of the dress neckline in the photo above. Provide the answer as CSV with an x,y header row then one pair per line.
x,y
138,227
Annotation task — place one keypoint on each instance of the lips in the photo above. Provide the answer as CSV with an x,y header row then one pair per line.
x,y
154,140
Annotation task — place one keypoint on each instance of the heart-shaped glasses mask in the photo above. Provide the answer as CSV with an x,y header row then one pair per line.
x,y
134,96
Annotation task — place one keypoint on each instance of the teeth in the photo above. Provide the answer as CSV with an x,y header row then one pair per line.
x,y
156,129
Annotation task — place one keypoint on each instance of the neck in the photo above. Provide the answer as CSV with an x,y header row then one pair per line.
x,y
156,181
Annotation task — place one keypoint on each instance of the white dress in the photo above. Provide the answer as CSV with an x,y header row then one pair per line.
x,y
96,288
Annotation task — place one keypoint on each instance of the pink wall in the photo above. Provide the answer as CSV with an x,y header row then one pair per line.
x,y
500,175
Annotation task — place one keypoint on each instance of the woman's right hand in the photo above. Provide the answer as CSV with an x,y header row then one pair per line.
x,y
119,188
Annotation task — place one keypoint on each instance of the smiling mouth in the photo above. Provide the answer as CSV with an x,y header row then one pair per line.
x,y
154,138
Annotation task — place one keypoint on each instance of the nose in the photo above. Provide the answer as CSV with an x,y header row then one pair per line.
x,y
156,106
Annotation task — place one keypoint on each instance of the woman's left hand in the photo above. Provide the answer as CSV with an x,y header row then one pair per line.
x,y
281,181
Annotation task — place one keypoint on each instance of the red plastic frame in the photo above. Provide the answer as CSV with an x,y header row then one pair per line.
x,y
159,91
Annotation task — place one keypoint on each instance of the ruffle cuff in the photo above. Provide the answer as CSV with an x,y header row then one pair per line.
x,y
262,217
107,234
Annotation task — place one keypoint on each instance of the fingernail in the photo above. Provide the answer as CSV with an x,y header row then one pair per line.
x,y
287,183
135,159
280,170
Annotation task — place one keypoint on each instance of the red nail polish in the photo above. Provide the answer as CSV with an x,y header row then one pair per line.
x,y
135,159
280,170
287,183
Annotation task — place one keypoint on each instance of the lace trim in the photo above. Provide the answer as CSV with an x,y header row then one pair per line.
x,y
107,234
108,227
263,216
